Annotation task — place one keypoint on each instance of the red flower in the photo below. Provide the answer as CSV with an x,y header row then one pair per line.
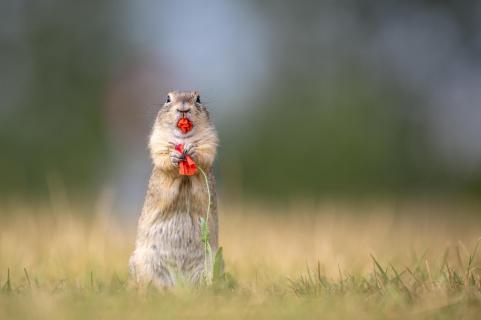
x,y
187,167
184,124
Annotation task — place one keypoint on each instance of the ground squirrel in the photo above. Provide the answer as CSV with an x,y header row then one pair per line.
x,y
168,241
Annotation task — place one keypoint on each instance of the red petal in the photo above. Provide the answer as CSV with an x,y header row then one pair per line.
x,y
185,125
179,147
187,167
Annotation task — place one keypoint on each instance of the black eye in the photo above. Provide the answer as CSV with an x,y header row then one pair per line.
x,y
198,99
167,100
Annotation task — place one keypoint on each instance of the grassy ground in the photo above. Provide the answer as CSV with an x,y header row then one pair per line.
x,y
303,261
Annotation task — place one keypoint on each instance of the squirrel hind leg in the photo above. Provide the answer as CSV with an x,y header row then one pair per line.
x,y
145,270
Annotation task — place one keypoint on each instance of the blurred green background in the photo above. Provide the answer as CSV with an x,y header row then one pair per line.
x,y
323,98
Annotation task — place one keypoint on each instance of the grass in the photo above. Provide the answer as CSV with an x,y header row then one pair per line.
x,y
401,260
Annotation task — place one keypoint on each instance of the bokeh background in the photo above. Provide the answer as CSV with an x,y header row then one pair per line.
x,y
331,98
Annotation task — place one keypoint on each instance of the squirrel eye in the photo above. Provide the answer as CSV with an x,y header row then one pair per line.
x,y
167,100
198,99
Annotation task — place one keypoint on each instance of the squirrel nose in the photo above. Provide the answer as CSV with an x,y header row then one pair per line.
x,y
183,108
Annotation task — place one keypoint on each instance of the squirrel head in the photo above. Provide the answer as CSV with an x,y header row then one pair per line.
x,y
195,127
182,104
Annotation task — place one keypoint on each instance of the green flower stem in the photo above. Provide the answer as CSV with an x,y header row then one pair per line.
x,y
208,193
204,229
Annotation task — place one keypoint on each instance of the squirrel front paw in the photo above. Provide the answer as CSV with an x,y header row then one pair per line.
x,y
190,149
176,157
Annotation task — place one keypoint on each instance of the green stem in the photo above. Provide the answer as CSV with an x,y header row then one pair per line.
x,y
207,235
208,193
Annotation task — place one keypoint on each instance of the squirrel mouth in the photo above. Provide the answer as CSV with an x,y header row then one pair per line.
x,y
183,114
